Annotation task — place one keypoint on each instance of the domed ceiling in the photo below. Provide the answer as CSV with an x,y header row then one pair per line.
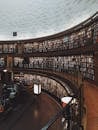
x,y
38,18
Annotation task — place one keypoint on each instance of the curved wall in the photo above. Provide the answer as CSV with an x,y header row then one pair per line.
x,y
47,84
74,48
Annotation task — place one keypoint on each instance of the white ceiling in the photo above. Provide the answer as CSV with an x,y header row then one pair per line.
x,y
37,18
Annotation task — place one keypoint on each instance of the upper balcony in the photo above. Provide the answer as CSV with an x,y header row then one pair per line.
x,y
83,37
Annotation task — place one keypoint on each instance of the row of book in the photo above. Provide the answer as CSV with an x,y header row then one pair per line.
x,y
47,84
7,48
82,63
83,37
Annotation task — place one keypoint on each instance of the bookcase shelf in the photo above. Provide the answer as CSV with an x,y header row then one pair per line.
x,y
71,64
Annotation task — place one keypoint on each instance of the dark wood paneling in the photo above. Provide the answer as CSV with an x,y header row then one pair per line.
x,y
96,67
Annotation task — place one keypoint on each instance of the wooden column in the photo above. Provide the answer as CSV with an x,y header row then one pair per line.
x,y
9,62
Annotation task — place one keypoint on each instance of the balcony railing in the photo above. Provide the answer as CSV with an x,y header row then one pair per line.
x,y
70,118
83,64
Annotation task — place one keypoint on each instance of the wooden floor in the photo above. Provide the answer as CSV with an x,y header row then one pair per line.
x,y
91,101
35,115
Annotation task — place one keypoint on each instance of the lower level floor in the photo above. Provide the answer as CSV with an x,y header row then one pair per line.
x,y
32,113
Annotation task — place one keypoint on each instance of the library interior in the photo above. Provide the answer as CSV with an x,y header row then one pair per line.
x,y
49,65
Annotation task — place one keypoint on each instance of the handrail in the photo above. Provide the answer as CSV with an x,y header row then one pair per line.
x,y
54,118
71,86
79,124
